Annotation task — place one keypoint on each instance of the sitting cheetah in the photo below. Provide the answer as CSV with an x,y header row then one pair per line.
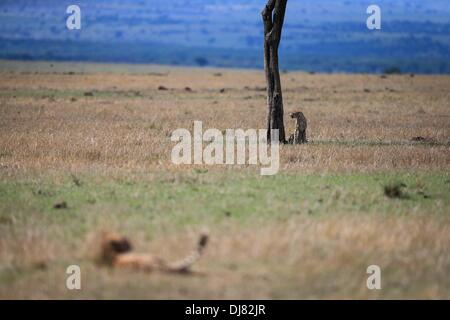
x,y
116,251
301,124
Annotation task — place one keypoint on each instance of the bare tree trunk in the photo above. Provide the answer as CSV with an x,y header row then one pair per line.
x,y
273,18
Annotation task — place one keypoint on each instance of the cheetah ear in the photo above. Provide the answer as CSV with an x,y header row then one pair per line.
x,y
122,245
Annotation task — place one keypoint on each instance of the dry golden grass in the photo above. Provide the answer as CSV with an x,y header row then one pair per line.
x,y
350,129
300,258
300,243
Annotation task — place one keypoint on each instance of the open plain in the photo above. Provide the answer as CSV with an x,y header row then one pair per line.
x,y
372,186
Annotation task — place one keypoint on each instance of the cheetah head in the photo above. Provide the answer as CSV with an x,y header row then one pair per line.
x,y
113,245
296,115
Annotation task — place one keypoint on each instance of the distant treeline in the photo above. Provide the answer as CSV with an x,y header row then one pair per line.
x,y
410,54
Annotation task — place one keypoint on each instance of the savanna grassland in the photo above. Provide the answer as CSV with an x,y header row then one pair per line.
x,y
371,187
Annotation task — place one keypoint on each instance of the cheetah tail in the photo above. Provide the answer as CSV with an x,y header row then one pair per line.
x,y
184,265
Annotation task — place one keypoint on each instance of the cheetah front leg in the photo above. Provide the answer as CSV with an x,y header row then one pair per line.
x,y
304,140
298,137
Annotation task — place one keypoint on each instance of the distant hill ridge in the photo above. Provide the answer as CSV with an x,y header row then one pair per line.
x,y
326,35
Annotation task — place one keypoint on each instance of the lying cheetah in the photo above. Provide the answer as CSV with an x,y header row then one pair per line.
x,y
301,124
116,251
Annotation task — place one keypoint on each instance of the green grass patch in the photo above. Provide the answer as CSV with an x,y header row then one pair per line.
x,y
199,198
